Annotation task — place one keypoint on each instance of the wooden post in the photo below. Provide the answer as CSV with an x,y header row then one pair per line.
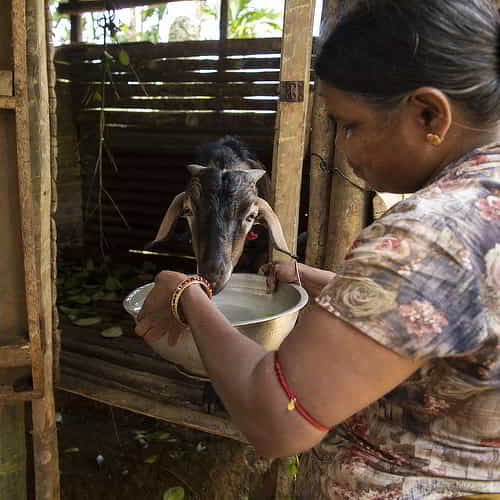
x,y
291,117
46,458
76,28
224,19
13,309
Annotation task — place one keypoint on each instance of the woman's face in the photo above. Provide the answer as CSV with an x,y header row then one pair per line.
x,y
386,148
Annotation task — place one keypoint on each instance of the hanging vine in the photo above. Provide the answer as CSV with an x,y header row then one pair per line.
x,y
105,22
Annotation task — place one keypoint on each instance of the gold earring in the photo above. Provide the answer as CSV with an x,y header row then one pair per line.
x,y
434,139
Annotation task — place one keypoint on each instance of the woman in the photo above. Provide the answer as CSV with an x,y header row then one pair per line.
x,y
399,356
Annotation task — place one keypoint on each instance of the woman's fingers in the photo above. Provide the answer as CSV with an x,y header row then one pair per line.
x,y
142,326
173,337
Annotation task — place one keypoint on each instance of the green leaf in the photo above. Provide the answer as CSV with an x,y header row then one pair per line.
x,y
110,297
151,460
98,295
112,284
112,332
176,493
160,436
72,450
87,321
123,57
80,299
68,310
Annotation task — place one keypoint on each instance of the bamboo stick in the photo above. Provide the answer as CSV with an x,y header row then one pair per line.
x,y
46,459
320,177
291,117
348,213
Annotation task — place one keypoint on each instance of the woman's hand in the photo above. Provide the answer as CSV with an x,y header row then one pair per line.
x,y
155,318
279,271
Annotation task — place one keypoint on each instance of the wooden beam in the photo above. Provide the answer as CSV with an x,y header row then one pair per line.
x,y
17,355
6,83
7,103
76,7
291,120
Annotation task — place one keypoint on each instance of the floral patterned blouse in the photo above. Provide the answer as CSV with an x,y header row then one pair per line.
x,y
424,281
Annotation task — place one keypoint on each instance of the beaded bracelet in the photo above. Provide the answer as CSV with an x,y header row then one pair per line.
x,y
293,404
179,290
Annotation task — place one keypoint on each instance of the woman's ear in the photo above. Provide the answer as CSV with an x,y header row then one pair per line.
x,y
432,111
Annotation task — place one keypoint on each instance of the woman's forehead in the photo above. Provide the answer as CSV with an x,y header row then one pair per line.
x,y
341,105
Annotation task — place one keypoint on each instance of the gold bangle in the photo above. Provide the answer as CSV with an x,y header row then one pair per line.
x,y
179,290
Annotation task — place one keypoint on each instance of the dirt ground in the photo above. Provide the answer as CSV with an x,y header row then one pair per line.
x,y
107,453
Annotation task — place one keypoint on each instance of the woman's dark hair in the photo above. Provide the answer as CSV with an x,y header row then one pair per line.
x,y
383,49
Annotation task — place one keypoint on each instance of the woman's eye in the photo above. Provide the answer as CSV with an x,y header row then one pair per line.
x,y
347,130
187,212
251,218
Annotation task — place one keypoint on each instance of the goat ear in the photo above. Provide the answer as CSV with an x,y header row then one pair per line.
x,y
173,211
255,174
273,223
195,169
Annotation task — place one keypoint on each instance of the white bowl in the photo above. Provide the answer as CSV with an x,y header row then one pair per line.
x,y
265,318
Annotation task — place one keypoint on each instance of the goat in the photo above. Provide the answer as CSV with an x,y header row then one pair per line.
x,y
221,204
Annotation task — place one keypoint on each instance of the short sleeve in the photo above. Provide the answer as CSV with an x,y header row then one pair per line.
x,y
411,285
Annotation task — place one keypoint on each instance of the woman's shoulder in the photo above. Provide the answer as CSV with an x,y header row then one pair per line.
x,y
464,197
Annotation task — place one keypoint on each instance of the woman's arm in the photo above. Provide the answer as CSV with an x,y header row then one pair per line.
x,y
333,369
311,278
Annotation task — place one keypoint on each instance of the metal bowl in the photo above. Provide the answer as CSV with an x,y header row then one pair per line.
x,y
265,318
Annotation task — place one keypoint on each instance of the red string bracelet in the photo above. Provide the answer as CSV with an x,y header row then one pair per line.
x,y
293,403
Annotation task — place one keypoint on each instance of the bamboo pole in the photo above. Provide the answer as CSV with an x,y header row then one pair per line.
x,y
320,177
12,452
46,459
348,213
291,118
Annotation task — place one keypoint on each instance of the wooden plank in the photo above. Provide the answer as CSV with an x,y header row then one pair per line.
x,y
291,121
198,122
172,391
176,65
191,104
139,50
7,103
172,400
121,397
125,90
15,355
79,7
146,75
6,83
